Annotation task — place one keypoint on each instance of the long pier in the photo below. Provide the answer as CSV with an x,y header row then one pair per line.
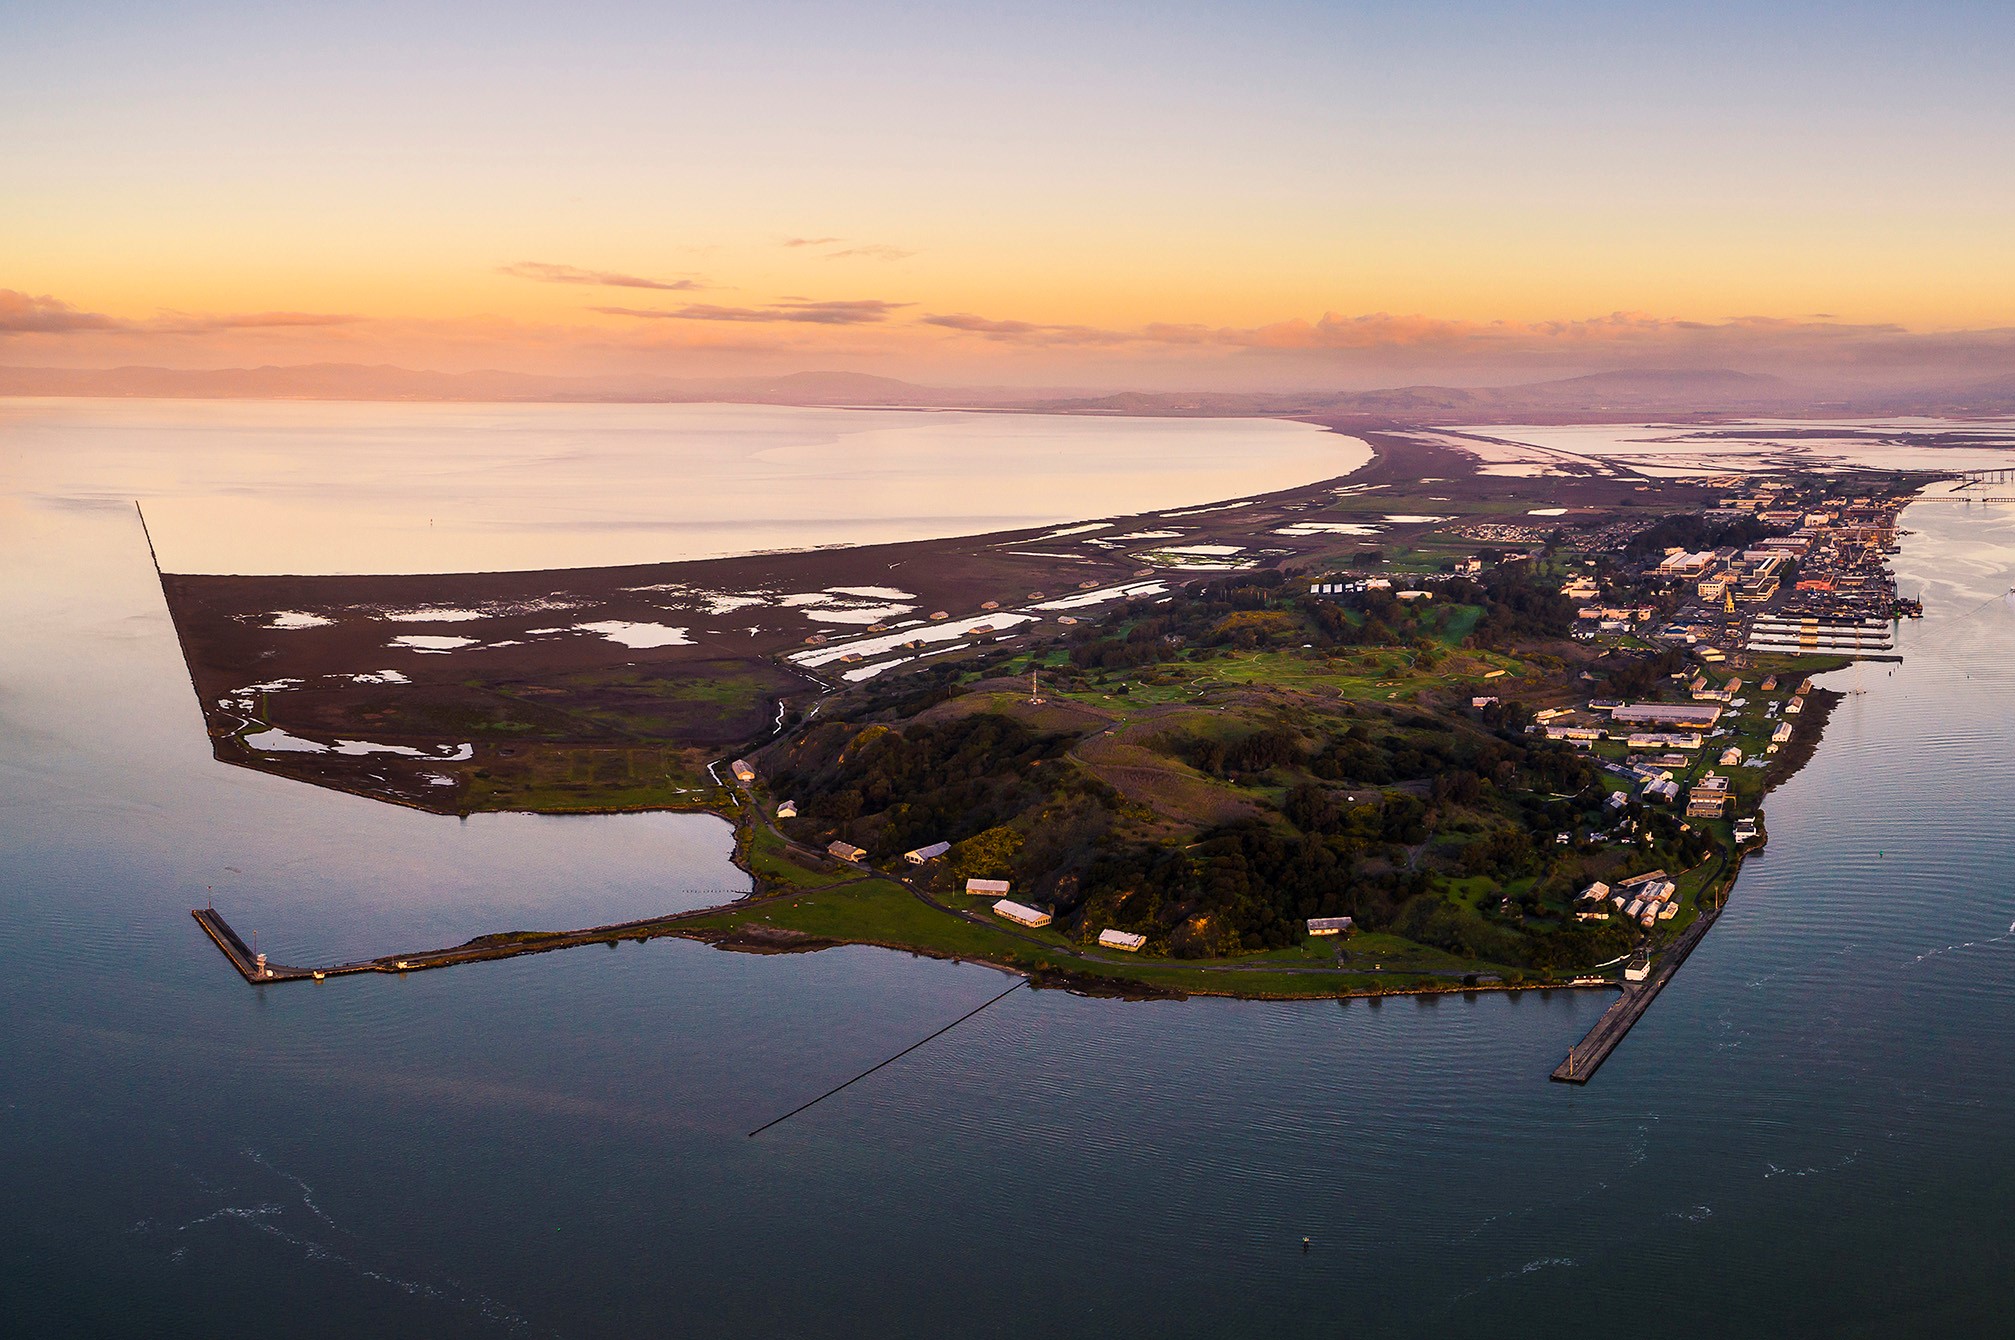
x,y
507,945
1587,1055
242,958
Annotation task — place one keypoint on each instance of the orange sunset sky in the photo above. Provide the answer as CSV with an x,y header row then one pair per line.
x,y
1212,196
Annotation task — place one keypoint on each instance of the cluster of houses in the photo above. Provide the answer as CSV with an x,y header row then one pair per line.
x,y
1023,915
1731,575
1599,618
1640,725
1501,532
1660,727
1824,586
1413,586
997,889
1708,798
1645,899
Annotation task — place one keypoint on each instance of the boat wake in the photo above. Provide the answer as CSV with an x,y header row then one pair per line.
x,y
1968,944
1773,1170
267,1216
1529,1268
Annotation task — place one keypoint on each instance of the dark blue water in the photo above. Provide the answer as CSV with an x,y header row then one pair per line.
x,y
1810,1133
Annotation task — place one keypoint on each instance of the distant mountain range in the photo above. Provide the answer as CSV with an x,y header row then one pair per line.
x,y
1598,395
359,381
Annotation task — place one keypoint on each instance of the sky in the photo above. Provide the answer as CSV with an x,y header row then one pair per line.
x,y
1166,196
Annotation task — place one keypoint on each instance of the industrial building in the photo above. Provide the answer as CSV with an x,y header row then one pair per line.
x,y
1692,716
1020,913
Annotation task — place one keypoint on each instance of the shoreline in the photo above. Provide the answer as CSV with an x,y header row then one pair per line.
x,y
1587,1056
1395,459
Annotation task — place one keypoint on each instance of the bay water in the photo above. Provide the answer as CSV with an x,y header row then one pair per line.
x,y
1809,1133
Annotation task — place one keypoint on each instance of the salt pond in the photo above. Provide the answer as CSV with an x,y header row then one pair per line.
x,y
428,644
633,634
1667,449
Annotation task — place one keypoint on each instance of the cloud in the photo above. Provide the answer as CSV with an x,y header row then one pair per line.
x,y
846,312
1618,333
22,313
1618,329
980,325
1030,332
179,323
26,314
544,273
788,332
866,251
872,252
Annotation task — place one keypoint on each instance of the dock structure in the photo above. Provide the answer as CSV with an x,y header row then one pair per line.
x,y
1587,1055
254,969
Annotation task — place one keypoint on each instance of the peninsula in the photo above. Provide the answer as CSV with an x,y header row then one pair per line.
x,y
1421,728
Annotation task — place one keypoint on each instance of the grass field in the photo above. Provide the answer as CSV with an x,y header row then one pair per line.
x,y
772,863
558,778
883,912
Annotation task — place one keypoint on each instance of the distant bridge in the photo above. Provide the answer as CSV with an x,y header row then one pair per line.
x,y
1982,480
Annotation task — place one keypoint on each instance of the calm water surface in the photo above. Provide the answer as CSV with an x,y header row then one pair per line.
x,y
1808,1135
320,487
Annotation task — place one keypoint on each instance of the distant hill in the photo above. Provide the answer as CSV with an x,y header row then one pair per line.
x,y
1614,394
1631,392
358,381
1688,388
1996,396
820,388
303,381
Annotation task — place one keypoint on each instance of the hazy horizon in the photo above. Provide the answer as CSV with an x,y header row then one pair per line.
x,y
1284,197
